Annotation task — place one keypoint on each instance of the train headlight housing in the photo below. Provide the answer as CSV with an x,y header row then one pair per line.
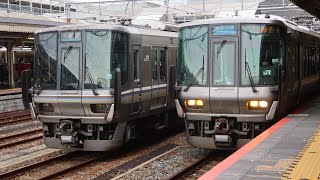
x,y
100,108
46,107
194,104
257,105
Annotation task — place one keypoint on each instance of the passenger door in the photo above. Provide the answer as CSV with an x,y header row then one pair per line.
x,y
136,85
224,88
158,78
69,93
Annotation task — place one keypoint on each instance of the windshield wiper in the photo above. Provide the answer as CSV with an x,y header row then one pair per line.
x,y
45,83
41,86
66,54
93,86
247,67
195,77
220,47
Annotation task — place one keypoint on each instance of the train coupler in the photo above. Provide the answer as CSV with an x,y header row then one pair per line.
x,y
68,132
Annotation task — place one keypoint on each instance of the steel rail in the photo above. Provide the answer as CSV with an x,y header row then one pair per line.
x,y
13,143
48,162
15,120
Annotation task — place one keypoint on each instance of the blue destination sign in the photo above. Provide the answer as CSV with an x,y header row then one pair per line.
x,y
230,29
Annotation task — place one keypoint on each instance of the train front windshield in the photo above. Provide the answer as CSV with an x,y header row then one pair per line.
x,y
92,56
192,57
262,50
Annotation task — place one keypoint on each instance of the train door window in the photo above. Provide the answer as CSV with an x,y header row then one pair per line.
x,y
70,64
154,65
119,54
318,59
224,63
305,61
136,69
162,64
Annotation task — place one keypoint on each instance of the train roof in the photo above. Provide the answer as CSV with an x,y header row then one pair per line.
x,y
262,18
128,29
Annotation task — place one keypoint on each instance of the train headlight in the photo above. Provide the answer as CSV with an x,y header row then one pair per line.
x,y
46,107
257,104
100,108
195,104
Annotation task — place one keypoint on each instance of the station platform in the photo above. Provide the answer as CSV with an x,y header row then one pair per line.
x,y
6,92
11,100
290,149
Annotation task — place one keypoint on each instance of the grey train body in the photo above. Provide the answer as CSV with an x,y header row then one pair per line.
x,y
236,76
75,89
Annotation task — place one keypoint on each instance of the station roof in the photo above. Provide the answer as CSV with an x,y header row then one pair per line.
x,y
25,23
17,28
312,6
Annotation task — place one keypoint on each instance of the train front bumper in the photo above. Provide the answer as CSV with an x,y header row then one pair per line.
x,y
88,145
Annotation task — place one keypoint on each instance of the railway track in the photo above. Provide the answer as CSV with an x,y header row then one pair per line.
x,y
55,167
20,138
15,119
12,113
200,167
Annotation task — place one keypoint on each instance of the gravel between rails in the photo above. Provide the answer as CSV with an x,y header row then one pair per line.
x,y
124,155
165,166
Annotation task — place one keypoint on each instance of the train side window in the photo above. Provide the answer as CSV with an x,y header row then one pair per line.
x,y
162,64
136,69
306,61
154,65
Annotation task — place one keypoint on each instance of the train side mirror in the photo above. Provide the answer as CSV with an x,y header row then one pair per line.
x,y
26,85
117,88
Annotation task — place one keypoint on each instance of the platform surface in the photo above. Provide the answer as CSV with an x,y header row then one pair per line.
x,y
10,91
287,150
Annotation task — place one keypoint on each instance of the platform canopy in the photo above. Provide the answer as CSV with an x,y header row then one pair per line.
x,y
18,28
312,6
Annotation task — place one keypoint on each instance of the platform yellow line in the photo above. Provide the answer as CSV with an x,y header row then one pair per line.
x,y
307,165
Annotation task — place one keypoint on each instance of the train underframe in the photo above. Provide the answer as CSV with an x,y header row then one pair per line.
x,y
72,134
222,132
89,136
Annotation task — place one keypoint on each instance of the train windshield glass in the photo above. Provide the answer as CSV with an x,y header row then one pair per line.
x,y
262,50
45,72
105,51
192,56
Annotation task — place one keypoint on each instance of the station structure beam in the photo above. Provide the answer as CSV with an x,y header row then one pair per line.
x,y
311,6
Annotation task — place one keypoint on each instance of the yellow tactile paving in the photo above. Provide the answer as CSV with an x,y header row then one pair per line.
x,y
307,165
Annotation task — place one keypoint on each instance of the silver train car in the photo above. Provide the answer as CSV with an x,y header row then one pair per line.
x,y
93,83
236,76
